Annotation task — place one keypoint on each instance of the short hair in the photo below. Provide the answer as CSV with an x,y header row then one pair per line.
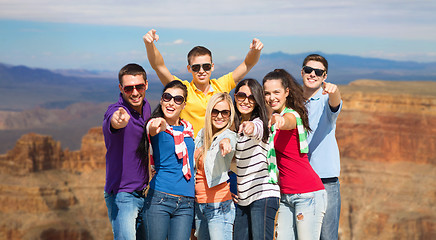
x,y
198,51
131,69
317,58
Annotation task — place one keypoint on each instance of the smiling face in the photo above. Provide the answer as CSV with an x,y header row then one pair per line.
x,y
134,98
275,94
246,106
219,121
311,80
171,109
202,77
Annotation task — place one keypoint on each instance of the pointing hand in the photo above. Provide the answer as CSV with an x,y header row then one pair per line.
x,y
329,88
278,120
225,146
120,118
247,128
157,125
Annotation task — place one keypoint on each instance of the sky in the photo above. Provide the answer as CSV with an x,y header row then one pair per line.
x,y
105,35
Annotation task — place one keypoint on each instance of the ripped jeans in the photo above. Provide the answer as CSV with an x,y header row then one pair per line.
x,y
300,215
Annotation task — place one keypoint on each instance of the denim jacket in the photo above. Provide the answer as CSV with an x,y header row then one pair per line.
x,y
216,166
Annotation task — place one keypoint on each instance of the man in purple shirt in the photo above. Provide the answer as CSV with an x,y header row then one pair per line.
x,y
126,174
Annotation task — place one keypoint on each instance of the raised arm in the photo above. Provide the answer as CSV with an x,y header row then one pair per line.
x,y
250,60
334,94
155,58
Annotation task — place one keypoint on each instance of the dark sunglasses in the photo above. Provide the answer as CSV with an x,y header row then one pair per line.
x,y
318,72
241,96
166,97
224,113
205,66
129,89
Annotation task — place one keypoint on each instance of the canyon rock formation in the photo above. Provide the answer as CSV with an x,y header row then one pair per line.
x,y
386,134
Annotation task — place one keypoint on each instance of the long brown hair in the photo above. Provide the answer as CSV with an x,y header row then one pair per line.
x,y
295,99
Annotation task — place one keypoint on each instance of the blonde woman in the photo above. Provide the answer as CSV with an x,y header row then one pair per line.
x,y
215,148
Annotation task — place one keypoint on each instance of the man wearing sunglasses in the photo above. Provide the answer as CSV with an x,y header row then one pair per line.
x,y
324,104
122,129
200,65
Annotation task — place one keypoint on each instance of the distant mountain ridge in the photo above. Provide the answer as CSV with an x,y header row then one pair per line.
x,y
342,68
24,88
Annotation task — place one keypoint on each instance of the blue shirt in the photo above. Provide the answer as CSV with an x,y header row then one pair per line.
x,y
169,176
323,148
123,167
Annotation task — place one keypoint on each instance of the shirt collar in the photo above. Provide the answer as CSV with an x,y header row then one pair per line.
x,y
317,95
196,89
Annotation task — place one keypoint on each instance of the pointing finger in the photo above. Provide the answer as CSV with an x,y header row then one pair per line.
x,y
155,36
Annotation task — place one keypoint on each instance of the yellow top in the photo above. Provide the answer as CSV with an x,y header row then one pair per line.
x,y
196,104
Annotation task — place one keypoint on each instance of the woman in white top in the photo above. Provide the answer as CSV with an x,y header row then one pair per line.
x,y
258,197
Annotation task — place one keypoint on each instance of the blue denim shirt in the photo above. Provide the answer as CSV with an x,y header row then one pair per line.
x,y
216,166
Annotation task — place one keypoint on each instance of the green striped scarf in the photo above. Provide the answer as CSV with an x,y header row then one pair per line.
x,y
273,171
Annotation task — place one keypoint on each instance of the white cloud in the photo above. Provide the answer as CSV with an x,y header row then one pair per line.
x,y
178,42
403,19
174,43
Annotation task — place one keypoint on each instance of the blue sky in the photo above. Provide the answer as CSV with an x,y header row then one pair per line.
x,y
105,35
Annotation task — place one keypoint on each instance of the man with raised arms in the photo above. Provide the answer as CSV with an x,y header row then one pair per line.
x,y
200,65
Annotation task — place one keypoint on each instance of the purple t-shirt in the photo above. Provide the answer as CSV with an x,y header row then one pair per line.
x,y
123,167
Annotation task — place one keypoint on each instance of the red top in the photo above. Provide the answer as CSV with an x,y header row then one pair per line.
x,y
295,173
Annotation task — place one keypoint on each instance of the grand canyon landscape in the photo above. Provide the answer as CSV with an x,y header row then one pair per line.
x,y
387,138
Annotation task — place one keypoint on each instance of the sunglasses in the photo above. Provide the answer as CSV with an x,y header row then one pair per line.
x,y
241,96
166,97
224,113
129,89
205,66
318,72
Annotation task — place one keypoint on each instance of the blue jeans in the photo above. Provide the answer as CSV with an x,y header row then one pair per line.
x,y
125,214
301,215
214,220
167,217
330,224
256,221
